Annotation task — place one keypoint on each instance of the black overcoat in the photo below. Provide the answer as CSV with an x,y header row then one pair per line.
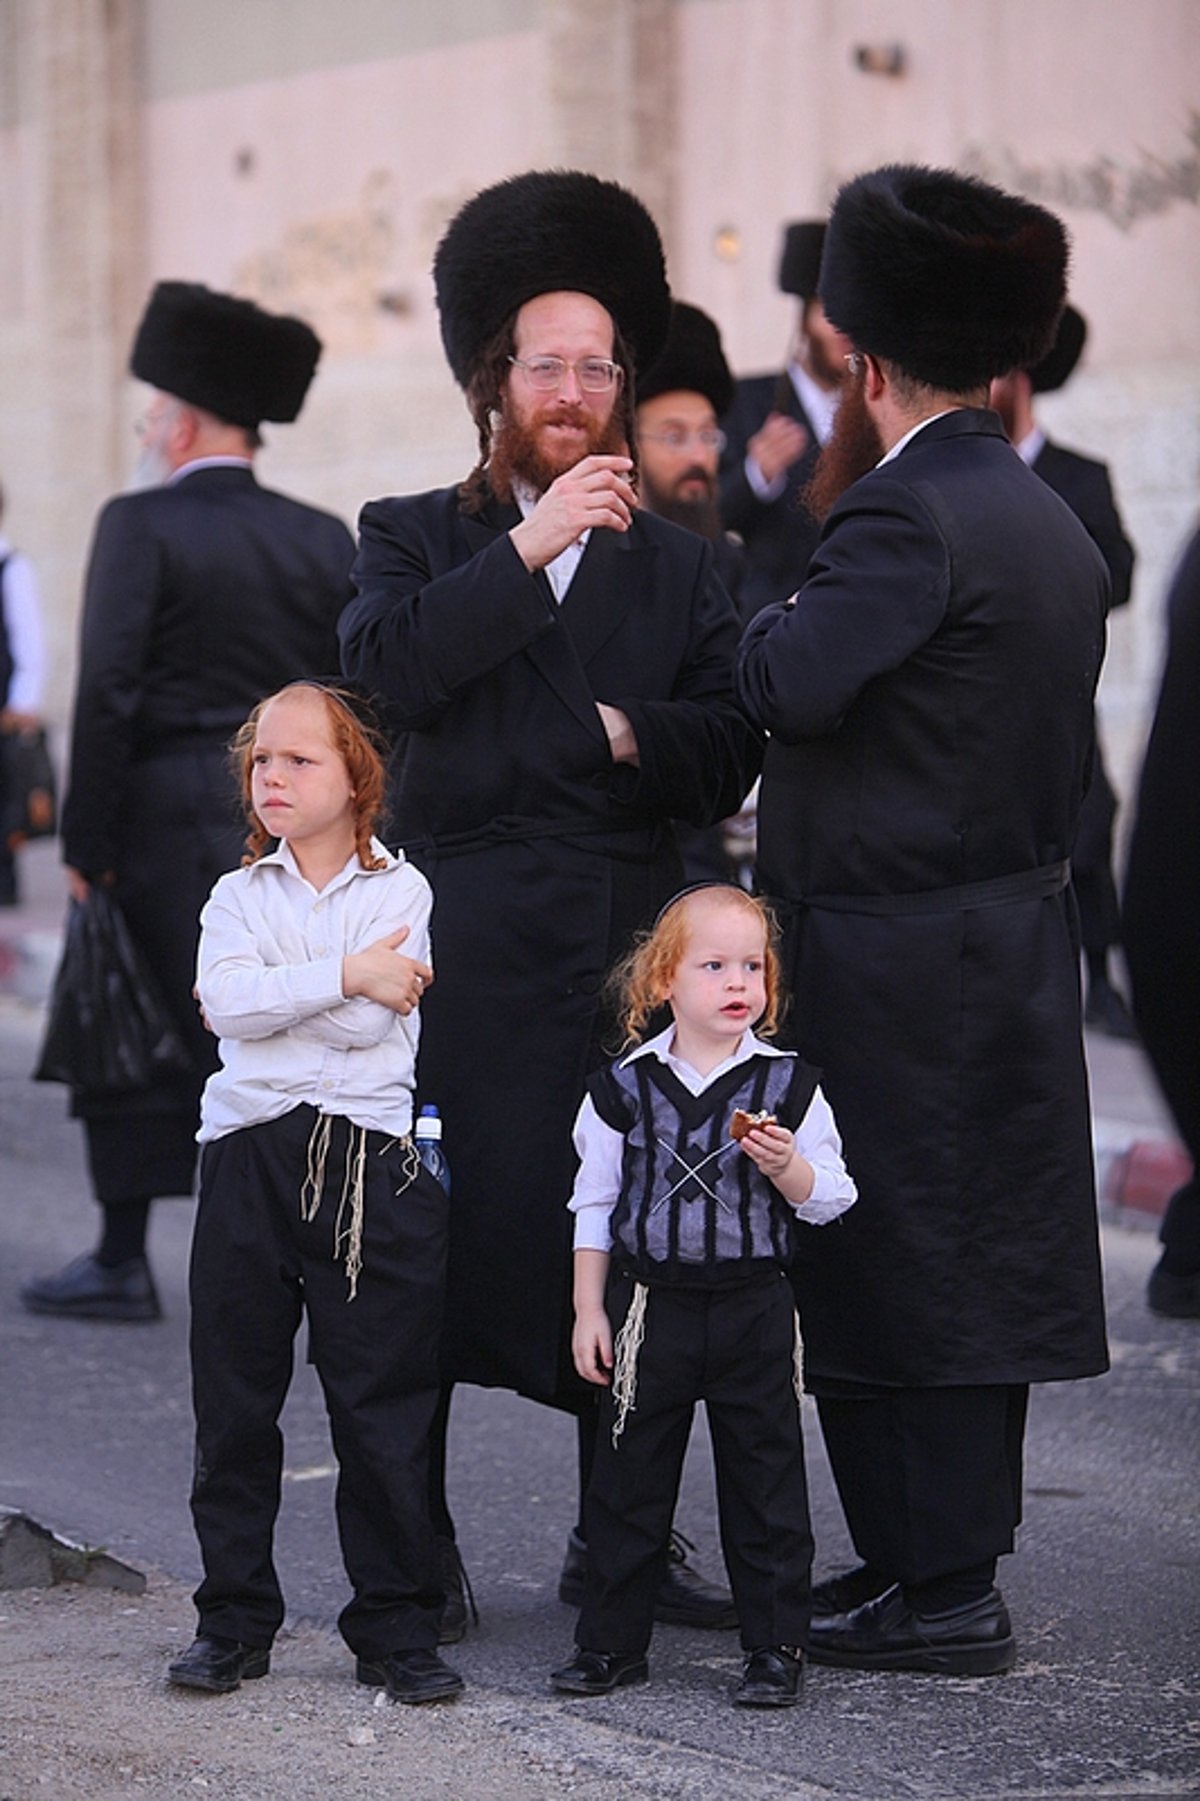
x,y
930,703
201,597
543,855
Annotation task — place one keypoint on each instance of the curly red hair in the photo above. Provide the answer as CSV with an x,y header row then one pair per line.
x,y
640,982
355,737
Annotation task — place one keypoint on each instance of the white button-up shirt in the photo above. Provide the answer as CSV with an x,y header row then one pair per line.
x,y
270,983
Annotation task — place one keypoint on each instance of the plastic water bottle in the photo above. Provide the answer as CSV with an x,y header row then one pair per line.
x,y
427,1135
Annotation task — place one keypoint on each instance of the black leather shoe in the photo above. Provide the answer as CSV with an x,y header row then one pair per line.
x,y
599,1672
1106,1011
885,1634
411,1676
770,1678
459,1599
685,1597
1172,1296
85,1289
838,1594
219,1665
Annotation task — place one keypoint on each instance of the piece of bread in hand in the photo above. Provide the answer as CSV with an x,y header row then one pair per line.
x,y
742,1122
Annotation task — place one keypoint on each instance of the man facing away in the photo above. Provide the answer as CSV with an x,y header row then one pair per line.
x,y
558,666
204,592
775,430
929,697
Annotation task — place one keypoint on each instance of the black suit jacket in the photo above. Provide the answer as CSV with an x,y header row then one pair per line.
x,y
202,597
780,535
1086,487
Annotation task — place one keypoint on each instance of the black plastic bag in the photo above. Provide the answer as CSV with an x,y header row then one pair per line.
x,y
108,1030
30,794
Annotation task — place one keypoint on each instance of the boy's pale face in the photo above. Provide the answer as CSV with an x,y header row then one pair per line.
x,y
719,988
298,781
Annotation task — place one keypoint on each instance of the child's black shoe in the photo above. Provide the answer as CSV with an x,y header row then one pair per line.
x,y
770,1677
599,1672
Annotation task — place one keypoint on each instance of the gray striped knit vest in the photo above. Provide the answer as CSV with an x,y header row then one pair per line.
x,y
693,1208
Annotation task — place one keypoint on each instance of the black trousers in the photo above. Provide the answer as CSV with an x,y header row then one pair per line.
x,y
732,1348
256,1267
929,1478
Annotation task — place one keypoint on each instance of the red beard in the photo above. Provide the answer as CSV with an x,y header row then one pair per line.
x,y
518,449
854,448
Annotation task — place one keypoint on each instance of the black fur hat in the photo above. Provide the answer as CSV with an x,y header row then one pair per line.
x,y
692,359
225,355
1058,364
550,230
951,279
800,260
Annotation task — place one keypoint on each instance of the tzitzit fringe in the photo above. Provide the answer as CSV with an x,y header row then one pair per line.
x,y
625,1356
797,1359
348,1224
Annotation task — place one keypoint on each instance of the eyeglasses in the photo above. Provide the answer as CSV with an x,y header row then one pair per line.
x,y
855,362
709,439
595,374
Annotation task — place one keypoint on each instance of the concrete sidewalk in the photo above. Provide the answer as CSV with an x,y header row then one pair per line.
x,y
1139,1160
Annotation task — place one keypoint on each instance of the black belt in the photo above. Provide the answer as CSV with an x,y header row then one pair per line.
x,y
596,835
998,891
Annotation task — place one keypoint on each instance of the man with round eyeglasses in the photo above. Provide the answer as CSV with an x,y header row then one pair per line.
x,y
556,664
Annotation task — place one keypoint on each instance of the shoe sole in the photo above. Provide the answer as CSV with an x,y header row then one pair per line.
x,y
371,1676
130,1313
766,1700
959,1660
629,1678
211,1686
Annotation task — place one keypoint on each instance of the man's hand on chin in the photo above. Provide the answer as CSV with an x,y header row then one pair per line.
x,y
595,493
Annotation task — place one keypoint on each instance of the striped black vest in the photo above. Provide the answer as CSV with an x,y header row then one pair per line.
x,y
693,1208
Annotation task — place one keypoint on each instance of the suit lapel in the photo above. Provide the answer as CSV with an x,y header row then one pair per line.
x,y
612,573
555,655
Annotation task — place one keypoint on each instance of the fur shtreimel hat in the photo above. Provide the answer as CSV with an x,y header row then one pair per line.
x,y
1058,364
692,360
952,280
541,233
225,355
800,259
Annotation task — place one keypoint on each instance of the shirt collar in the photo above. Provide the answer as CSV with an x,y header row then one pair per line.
x,y
819,403
911,434
1031,446
283,857
660,1046
207,463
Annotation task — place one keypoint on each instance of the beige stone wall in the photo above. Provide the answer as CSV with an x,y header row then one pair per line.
x,y
310,156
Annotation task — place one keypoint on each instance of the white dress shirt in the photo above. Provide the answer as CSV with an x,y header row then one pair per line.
x,y
561,572
270,983
22,617
601,1149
